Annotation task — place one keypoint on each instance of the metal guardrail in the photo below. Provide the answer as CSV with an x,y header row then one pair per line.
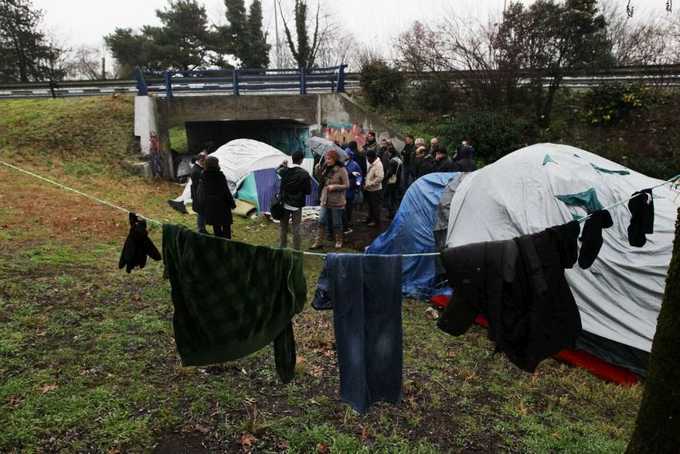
x,y
248,81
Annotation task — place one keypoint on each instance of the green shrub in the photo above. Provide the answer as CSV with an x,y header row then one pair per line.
x,y
381,83
608,104
431,96
493,134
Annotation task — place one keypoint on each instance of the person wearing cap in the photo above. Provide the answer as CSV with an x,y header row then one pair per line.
x,y
195,178
354,190
215,198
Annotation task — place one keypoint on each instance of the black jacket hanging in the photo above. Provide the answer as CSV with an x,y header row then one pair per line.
x,y
641,207
137,246
591,238
519,286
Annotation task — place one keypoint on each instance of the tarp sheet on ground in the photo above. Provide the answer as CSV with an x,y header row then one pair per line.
x,y
411,232
543,185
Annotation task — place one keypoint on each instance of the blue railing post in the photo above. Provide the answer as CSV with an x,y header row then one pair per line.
x,y
341,79
234,82
303,81
167,76
142,89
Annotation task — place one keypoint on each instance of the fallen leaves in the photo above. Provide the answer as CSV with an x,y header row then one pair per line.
x,y
247,441
48,388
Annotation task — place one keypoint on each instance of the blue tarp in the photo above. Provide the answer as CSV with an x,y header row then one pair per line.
x,y
260,187
411,232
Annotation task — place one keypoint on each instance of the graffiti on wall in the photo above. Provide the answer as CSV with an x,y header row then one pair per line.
x,y
155,154
344,133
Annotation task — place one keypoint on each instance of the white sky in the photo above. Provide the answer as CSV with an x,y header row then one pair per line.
x,y
373,22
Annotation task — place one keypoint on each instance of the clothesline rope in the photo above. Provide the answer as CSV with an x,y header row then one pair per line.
x,y
621,202
312,254
91,197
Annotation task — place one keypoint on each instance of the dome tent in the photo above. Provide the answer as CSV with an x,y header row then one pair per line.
x,y
249,168
412,232
543,185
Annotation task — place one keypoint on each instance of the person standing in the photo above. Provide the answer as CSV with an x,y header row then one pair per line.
x,y
215,198
370,144
334,181
408,155
373,188
195,177
296,185
465,157
434,145
442,163
355,182
393,179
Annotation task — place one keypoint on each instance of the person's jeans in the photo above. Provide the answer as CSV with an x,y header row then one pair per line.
x,y
374,205
331,219
294,218
365,292
200,223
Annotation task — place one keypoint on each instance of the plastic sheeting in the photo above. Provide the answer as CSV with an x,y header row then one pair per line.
x,y
411,232
619,297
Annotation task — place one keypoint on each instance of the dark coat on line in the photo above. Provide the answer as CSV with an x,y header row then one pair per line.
x,y
215,199
520,287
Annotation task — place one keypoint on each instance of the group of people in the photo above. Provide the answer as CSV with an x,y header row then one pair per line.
x,y
375,175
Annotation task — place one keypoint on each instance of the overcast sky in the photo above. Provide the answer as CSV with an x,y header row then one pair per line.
x,y
372,22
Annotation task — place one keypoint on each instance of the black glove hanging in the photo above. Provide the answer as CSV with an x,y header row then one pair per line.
x,y
641,207
137,246
591,237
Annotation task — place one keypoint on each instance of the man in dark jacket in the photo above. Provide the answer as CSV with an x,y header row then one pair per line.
x,y
196,172
215,198
296,185
465,157
408,155
442,163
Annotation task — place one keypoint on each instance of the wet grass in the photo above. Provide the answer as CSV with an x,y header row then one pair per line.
x,y
88,361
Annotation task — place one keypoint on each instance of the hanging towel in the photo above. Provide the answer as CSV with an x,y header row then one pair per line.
x,y
137,246
366,295
641,207
591,238
232,299
519,286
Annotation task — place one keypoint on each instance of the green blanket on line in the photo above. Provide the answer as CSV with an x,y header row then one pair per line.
x,y
232,299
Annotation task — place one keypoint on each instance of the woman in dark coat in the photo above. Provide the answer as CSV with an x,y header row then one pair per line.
x,y
216,199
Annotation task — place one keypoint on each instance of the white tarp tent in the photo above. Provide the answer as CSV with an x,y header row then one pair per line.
x,y
620,295
238,159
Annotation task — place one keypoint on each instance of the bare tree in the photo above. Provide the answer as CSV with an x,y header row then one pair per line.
x,y
636,42
456,51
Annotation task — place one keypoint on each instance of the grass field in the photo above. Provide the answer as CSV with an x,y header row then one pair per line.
x,y
88,361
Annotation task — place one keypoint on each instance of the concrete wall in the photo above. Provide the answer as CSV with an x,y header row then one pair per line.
x,y
179,110
335,116
146,121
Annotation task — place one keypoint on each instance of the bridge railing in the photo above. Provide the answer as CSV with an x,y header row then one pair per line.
x,y
240,81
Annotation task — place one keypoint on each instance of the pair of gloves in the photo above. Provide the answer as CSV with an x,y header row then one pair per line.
x,y
138,246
